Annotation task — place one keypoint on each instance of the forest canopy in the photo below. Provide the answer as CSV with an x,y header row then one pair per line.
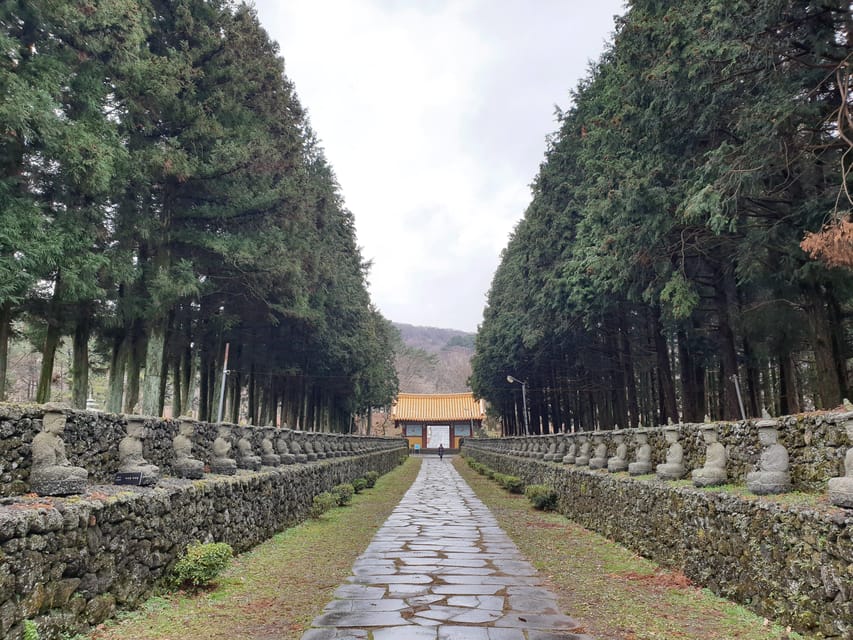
x,y
688,245
162,195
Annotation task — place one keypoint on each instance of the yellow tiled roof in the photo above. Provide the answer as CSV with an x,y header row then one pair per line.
x,y
438,407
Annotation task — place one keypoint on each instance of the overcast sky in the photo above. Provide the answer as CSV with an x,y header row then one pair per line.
x,y
434,114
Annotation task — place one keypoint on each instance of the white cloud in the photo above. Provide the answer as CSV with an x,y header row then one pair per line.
x,y
434,117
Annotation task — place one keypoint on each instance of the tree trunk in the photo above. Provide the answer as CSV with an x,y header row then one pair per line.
x,y
669,406
5,334
118,362
826,370
51,341
151,396
177,384
136,354
789,397
692,381
80,362
729,407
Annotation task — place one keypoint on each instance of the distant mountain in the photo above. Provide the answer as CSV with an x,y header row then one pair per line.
x,y
432,360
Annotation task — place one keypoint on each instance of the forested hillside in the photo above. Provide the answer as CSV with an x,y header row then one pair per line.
x,y
660,266
163,197
430,360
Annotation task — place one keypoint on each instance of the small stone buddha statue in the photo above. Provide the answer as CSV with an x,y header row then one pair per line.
x,y
773,474
51,473
582,459
841,488
185,466
673,468
246,458
269,458
283,447
643,461
130,453
551,452
713,472
599,460
618,462
296,447
571,452
320,447
308,448
222,462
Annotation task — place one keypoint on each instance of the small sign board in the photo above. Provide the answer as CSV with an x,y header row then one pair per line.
x,y
134,478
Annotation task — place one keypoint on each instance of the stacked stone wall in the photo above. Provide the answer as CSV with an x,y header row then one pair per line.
x,y
92,439
816,446
70,562
789,562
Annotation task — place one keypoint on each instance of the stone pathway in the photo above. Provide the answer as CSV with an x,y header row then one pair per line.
x,y
440,568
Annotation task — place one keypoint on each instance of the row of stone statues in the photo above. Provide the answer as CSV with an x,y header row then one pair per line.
x,y
52,474
772,475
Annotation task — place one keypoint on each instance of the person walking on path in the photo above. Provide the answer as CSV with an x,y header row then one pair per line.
x,y
440,451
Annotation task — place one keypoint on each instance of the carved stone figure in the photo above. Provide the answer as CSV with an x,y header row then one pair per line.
x,y
551,453
713,472
673,468
269,458
599,460
185,465
618,462
320,447
582,459
772,475
246,458
841,488
130,453
296,448
222,463
51,473
571,453
283,447
308,448
643,461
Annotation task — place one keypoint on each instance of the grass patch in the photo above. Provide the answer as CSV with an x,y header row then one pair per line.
x,y
612,592
276,589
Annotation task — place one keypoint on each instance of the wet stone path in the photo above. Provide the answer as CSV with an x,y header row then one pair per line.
x,y
440,568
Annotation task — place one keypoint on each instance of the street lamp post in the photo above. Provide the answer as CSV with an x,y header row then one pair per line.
x,y
523,384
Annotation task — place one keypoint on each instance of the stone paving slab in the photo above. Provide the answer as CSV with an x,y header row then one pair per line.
x,y
441,569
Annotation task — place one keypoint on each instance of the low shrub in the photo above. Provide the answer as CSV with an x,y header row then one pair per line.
x,y
31,631
321,503
371,477
201,563
343,493
541,496
359,484
513,484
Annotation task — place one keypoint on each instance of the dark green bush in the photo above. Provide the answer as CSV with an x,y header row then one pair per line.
x,y
359,484
542,497
201,563
513,484
343,493
371,477
322,503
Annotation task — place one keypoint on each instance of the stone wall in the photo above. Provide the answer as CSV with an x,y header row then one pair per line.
x,y
92,438
816,446
789,560
68,563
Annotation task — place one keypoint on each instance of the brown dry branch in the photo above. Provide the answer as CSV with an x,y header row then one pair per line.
x,y
833,244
